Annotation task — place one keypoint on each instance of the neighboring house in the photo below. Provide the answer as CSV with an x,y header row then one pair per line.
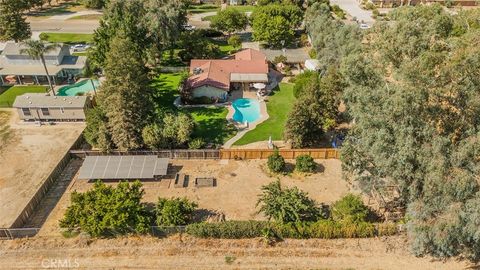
x,y
18,68
216,78
43,107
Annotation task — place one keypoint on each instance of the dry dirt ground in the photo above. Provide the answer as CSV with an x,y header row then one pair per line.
x,y
183,252
27,156
238,185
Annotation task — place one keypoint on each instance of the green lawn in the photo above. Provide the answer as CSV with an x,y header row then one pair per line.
x,y
278,107
203,8
86,17
212,124
66,37
8,96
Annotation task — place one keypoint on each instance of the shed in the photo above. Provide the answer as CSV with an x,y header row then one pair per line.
x,y
149,167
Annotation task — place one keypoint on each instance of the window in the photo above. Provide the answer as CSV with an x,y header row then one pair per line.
x,y
62,110
45,111
26,112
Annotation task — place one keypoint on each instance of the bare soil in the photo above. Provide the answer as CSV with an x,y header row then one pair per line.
x,y
27,156
184,252
236,191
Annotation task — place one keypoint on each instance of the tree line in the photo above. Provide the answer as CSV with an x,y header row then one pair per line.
x,y
411,90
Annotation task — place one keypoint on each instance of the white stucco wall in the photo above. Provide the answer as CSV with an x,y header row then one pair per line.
x,y
208,91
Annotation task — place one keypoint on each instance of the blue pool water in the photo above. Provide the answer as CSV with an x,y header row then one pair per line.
x,y
84,86
246,109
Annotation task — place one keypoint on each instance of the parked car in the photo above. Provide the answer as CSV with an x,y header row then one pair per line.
x,y
189,27
364,26
79,47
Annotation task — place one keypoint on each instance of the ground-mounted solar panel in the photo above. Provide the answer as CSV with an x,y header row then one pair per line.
x,y
123,167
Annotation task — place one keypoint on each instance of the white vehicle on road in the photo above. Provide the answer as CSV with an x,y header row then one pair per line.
x,y
79,47
364,26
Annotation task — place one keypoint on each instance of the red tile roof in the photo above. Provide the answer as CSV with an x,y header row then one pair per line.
x,y
217,72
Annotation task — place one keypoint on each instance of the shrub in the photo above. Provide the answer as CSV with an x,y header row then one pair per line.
x,y
174,212
202,100
305,163
209,32
287,205
276,163
235,41
350,209
196,143
312,53
304,40
323,229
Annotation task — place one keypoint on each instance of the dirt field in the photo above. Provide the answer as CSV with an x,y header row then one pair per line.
x,y
182,252
27,155
238,184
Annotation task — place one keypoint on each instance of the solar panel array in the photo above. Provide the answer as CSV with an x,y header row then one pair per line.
x,y
123,167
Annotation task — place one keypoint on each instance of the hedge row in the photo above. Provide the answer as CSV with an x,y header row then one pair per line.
x,y
325,229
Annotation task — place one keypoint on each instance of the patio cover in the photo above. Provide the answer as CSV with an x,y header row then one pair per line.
x,y
123,167
248,77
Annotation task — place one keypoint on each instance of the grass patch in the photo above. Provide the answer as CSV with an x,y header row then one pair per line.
x,y
69,38
172,61
8,97
212,124
279,105
224,47
196,9
62,9
87,17
208,18
80,53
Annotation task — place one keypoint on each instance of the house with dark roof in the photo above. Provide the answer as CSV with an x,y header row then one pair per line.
x,y
215,79
21,68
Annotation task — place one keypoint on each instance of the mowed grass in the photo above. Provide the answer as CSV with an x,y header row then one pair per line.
x,y
70,38
8,96
95,17
211,122
278,107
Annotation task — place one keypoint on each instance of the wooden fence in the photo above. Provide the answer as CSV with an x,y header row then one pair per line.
x,y
172,154
45,187
322,153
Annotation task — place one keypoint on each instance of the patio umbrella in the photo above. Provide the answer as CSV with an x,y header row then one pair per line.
x,y
270,143
259,86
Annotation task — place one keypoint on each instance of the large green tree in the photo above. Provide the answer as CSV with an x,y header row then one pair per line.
x,y
106,210
13,25
276,24
229,21
413,93
125,95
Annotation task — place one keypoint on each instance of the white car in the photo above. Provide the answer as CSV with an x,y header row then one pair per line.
x,y
189,27
80,47
364,26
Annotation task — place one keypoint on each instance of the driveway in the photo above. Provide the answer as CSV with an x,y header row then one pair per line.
x,y
352,7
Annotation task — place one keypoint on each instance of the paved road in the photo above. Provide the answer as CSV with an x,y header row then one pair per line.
x,y
70,26
352,7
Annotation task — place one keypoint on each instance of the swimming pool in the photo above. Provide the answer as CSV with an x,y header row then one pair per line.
x,y
84,86
246,109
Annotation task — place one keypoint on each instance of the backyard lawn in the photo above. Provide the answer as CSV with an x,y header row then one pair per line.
x,y
66,37
8,96
212,124
278,107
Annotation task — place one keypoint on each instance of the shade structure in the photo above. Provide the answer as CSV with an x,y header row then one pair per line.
x,y
123,167
259,86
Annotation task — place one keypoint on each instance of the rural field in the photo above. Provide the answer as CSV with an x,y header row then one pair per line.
x,y
184,252
28,153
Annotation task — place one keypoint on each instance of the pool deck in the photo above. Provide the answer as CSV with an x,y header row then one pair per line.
x,y
242,129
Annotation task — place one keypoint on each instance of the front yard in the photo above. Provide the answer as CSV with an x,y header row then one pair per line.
x,y
279,105
212,125
69,38
8,96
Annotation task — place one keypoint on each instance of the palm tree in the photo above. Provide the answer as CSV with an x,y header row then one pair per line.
x,y
37,49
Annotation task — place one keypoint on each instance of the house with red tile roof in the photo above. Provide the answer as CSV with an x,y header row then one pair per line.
x,y
216,78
